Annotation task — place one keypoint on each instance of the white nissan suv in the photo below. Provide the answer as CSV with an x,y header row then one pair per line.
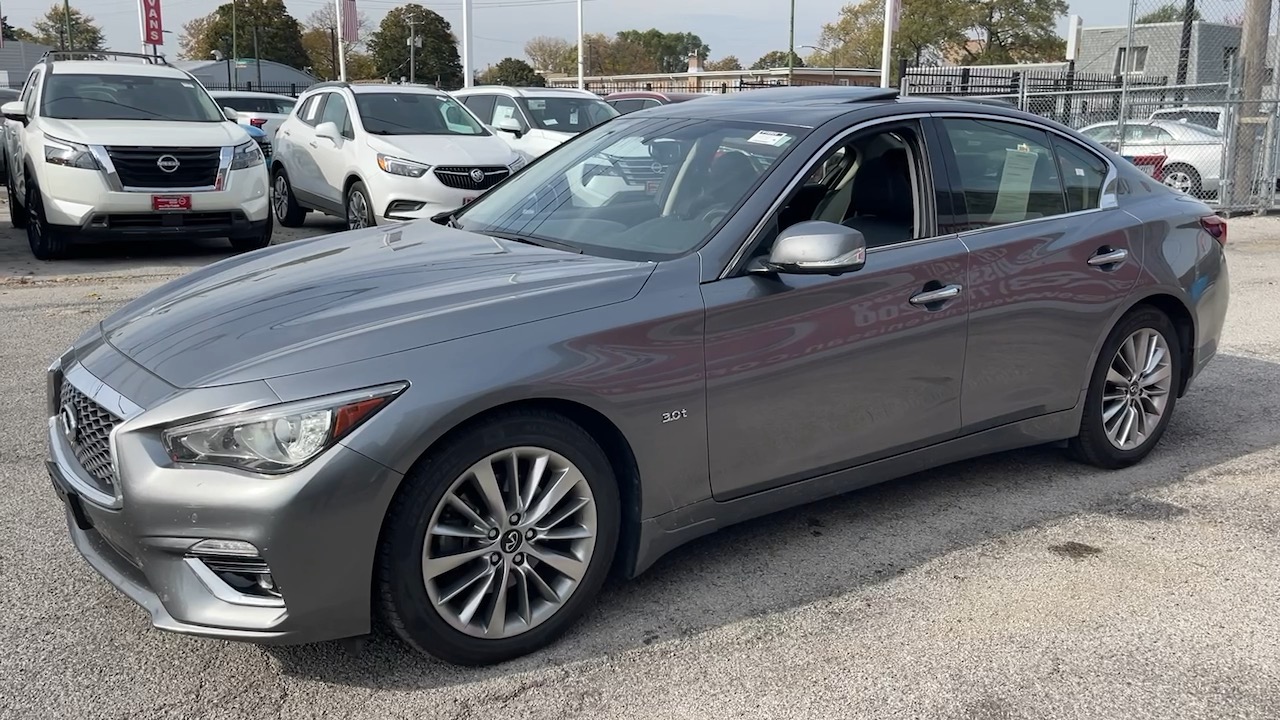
x,y
113,149
375,153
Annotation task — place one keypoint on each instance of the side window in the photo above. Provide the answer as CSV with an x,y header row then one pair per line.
x,y
504,107
310,109
627,106
1007,172
1106,133
1083,175
481,105
335,111
646,104
29,92
284,107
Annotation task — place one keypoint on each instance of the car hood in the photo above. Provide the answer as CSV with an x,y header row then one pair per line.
x,y
151,133
446,150
327,301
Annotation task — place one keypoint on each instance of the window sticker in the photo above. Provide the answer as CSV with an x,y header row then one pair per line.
x,y
769,137
1015,185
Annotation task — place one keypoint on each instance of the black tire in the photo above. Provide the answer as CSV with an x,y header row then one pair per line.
x,y
399,585
47,243
1092,445
289,213
355,222
1195,189
254,242
17,211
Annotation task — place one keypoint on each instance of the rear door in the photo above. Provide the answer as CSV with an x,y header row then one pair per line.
x,y
1051,259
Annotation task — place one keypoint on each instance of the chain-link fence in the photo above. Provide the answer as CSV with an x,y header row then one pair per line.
x,y
1187,89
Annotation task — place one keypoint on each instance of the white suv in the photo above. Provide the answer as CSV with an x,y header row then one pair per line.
x,y
372,153
111,149
536,120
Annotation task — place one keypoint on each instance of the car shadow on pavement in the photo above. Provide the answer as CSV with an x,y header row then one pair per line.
x,y
855,541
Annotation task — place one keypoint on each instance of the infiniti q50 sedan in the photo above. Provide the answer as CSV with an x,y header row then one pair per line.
x,y
463,425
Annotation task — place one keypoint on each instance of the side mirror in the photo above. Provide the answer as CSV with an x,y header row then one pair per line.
x,y
511,125
230,114
815,247
15,111
329,131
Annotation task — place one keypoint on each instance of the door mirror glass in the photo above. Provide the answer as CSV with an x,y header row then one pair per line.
x,y
815,247
509,124
665,152
230,114
328,131
14,111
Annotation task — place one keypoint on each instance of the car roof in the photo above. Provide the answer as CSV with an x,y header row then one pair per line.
x,y
654,95
526,91
115,67
248,93
360,88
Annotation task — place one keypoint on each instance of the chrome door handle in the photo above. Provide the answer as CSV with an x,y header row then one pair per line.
x,y
932,296
313,144
1109,258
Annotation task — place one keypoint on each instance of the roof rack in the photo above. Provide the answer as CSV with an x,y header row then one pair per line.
x,y
55,55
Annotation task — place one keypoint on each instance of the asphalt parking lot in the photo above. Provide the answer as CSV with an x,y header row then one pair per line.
x,y
1017,586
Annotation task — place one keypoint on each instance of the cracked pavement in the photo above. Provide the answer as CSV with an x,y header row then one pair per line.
x,y
1015,586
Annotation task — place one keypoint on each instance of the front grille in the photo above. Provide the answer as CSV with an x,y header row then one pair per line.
x,y
142,221
140,166
91,436
460,177
639,171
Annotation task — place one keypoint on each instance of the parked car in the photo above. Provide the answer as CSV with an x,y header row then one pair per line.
x,y
260,136
464,427
1193,154
261,110
535,120
129,147
7,95
1208,116
629,101
373,153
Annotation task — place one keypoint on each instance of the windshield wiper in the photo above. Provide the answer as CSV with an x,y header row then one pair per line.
x,y
536,241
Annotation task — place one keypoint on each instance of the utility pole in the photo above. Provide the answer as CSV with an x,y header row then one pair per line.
x,y
66,21
1126,66
886,44
1249,116
582,83
235,53
257,61
333,53
339,48
791,48
413,45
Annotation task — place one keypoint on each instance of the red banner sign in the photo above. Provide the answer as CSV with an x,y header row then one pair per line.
x,y
152,26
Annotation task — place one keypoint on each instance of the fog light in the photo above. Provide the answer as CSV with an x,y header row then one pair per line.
x,y
237,548
238,565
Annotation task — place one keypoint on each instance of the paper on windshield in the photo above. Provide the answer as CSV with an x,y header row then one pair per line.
x,y
769,137
1015,185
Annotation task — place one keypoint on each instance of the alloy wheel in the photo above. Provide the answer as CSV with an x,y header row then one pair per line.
x,y
357,211
1179,180
509,542
280,197
1136,391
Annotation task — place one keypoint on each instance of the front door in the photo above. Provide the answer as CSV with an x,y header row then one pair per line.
x,y
808,374
334,157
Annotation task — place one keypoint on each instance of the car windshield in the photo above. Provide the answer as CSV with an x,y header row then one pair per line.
x,y
567,114
637,189
255,104
393,113
70,96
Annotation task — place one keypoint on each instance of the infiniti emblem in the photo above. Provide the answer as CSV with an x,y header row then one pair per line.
x,y
477,175
70,426
511,541
168,163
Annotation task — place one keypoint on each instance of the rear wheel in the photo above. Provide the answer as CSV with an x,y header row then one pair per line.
x,y
283,204
1132,392
1181,176
497,543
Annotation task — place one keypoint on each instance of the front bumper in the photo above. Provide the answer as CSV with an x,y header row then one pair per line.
x,y
397,198
316,530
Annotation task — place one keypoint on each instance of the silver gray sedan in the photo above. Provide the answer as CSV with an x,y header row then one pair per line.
x,y
463,426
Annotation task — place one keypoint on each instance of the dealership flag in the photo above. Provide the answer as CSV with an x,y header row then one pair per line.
x,y
152,27
350,23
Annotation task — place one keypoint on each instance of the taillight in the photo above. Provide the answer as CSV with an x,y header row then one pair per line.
x,y
257,122
1215,226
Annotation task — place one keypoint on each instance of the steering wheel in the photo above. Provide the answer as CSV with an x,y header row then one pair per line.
x,y
715,213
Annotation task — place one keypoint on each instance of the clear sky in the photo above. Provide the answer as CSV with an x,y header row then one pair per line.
x,y
745,28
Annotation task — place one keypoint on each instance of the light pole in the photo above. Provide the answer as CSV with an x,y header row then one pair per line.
x,y
791,48
235,55
886,47
467,74
582,84
66,21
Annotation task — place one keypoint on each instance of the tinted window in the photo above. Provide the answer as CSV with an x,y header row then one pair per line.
x,y
393,113
241,103
284,107
310,107
567,114
1007,171
646,104
627,106
335,111
127,97
1083,175
481,105
638,189
503,108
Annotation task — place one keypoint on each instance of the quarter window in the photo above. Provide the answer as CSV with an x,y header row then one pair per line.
x,y
1008,172
310,109
1083,175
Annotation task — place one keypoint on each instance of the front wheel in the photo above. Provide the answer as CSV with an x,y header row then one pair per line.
x,y
1132,392
496,543
46,241
359,207
254,242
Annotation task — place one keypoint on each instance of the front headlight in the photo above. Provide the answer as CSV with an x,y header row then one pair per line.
x,y
69,154
397,166
519,163
247,155
280,438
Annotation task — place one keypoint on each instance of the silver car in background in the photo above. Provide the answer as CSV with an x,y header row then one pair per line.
x,y
1193,153
464,425
266,111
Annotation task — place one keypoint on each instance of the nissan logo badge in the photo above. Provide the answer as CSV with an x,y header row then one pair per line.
x,y
168,163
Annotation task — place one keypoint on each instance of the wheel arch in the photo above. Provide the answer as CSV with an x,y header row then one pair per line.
x,y
1183,321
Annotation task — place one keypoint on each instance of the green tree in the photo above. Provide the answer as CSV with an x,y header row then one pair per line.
x,y
776,59
319,36
51,30
1017,31
552,54
279,33
1168,13
728,62
9,32
513,72
660,52
925,30
435,61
